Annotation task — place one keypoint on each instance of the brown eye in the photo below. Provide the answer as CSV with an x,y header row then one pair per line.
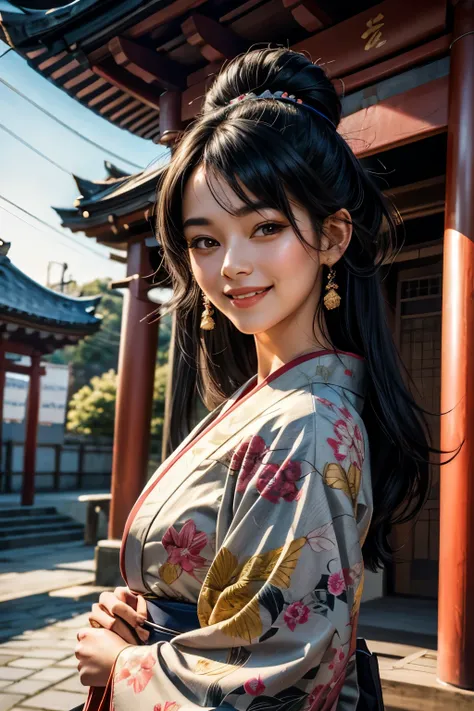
x,y
270,228
203,243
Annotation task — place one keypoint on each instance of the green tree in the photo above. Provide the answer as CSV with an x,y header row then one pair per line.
x,y
98,353
92,408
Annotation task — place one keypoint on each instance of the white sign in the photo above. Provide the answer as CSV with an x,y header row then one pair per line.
x,y
53,395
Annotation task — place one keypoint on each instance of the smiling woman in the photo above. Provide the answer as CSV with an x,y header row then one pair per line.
x,y
250,254
261,521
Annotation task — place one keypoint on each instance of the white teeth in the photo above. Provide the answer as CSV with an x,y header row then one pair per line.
x,y
251,293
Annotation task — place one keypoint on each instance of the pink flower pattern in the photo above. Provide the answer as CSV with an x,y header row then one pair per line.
x,y
246,460
296,614
255,686
352,575
137,671
336,583
183,548
348,444
338,663
275,483
167,706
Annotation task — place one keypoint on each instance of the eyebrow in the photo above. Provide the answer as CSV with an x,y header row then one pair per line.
x,y
240,212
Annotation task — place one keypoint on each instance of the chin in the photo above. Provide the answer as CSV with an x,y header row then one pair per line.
x,y
252,329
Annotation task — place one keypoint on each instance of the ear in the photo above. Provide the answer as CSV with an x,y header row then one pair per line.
x,y
335,237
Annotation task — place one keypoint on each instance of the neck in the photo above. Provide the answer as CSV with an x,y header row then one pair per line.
x,y
285,342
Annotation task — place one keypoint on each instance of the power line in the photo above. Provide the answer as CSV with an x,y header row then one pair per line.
x,y
35,150
35,227
65,125
51,227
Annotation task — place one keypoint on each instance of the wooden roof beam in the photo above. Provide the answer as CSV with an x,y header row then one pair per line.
x,y
147,64
127,82
343,49
172,11
215,41
373,34
308,14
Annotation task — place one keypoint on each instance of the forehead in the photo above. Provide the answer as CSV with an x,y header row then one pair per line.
x,y
206,193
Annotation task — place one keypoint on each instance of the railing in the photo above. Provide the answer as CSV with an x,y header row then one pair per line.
x,y
62,457
74,463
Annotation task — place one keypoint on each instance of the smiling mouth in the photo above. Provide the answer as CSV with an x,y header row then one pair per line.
x,y
248,294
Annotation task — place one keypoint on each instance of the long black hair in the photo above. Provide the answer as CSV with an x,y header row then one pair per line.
x,y
276,149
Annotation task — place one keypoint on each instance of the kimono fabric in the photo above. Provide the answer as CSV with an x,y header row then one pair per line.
x,y
258,518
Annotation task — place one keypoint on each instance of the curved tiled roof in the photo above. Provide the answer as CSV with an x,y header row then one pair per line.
x,y
23,298
101,200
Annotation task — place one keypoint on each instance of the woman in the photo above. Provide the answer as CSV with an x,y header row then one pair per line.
x,y
261,514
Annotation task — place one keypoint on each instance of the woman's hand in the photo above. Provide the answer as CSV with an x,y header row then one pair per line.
x,y
121,604
97,650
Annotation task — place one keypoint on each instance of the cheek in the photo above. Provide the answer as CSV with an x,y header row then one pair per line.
x,y
291,260
206,270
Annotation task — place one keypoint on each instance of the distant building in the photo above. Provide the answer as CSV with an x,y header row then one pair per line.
x,y
34,321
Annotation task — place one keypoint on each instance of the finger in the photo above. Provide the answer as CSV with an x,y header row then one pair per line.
x,y
110,602
127,596
116,608
141,607
123,631
100,617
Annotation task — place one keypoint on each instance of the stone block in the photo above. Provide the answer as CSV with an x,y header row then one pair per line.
x,y
52,674
12,674
75,622
38,650
107,564
71,684
31,663
53,700
28,687
8,701
5,659
70,663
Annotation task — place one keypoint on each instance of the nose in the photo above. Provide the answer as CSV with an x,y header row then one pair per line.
x,y
236,262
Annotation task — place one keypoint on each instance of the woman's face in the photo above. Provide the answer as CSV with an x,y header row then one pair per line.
x,y
252,266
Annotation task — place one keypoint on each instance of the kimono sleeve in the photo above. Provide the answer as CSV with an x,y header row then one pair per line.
x,y
278,607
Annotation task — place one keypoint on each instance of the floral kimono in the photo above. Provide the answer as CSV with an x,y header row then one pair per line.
x,y
259,518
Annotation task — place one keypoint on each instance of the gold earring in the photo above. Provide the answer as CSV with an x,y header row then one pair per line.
x,y
207,322
332,299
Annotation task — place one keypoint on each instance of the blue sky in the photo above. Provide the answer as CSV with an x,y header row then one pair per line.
x,y
36,185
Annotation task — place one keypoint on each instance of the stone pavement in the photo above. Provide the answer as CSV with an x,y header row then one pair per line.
x,y
45,596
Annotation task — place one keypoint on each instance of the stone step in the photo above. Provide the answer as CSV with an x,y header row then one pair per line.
x,y
31,521
38,529
44,538
14,511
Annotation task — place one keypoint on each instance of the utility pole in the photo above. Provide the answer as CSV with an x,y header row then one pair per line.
x,y
63,281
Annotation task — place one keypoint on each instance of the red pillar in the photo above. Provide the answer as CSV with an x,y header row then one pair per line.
x,y
456,563
136,374
32,416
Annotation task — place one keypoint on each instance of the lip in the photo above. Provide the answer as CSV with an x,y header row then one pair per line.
x,y
246,303
244,290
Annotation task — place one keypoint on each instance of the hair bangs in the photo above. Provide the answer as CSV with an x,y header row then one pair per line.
x,y
238,155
